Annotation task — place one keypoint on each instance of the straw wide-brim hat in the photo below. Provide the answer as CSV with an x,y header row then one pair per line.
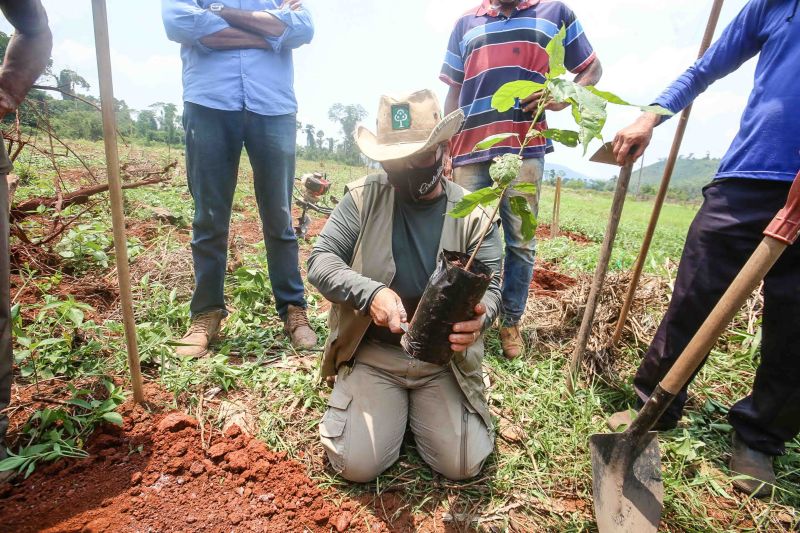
x,y
407,125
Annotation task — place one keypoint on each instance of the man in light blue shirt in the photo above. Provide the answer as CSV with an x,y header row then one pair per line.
x,y
238,90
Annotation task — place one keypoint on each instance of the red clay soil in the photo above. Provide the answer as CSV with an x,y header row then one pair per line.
x,y
543,233
548,282
153,475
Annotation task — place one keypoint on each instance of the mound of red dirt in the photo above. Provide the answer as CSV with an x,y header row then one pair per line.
x,y
154,475
548,282
543,233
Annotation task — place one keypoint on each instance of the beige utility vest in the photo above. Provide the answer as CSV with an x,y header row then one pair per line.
x,y
373,258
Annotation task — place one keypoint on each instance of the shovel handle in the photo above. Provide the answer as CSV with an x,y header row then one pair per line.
x,y
782,232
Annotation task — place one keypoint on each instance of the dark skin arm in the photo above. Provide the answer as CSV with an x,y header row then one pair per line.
x,y
234,39
589,76
27,53
258,22
451,101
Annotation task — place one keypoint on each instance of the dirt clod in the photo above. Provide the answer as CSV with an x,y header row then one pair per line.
x,y
342,522
176,422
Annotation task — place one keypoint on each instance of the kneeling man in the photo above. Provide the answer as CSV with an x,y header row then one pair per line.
x,y
373,261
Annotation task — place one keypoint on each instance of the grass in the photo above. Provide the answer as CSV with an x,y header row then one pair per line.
x,y
539,479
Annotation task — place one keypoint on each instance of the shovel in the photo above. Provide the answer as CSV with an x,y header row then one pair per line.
x,y
604,155
626,467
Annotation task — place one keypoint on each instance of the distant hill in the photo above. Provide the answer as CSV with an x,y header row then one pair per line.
x,y
688,179
564,171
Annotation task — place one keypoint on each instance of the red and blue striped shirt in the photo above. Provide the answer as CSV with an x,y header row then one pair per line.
x,y
487,50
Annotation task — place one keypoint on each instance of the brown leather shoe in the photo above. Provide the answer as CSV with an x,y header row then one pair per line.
x,y
202,332
511,341
757,466
297,327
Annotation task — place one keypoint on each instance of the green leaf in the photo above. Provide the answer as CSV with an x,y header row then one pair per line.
x,y
506,96
520,207
12,462
525,188
566,137
563,90
75,316
113,417
607,96
556,52
80,403
490,141
657,109
589,112
614,99
468,203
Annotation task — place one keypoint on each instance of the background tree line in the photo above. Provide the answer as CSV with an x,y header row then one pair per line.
x,y
62,105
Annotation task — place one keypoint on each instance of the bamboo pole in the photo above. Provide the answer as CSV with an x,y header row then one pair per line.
x,y
713,19
554,227
102,47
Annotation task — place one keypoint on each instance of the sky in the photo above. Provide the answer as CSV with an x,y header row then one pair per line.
x,y
364,49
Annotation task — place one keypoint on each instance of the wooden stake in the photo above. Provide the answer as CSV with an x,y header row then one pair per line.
x,y
100,16
713,19
554,228
599,276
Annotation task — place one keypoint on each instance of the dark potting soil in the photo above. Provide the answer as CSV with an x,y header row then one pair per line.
x,y
451,296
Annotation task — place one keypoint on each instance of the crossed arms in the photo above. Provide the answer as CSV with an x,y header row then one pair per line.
x,y
189,24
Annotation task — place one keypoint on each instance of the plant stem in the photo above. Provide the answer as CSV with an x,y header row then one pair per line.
x,y
486,231
523,144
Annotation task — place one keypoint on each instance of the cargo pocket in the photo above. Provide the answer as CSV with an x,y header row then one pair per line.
x,y
475,442
332,428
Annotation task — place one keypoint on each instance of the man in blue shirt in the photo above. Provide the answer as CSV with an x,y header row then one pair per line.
x,y
750,187
238,90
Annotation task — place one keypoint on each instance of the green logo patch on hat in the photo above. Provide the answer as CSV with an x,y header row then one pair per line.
x,y
401,117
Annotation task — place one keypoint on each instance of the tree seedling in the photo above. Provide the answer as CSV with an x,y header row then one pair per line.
x,y
589,112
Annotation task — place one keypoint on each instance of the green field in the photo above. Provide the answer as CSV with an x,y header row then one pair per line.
x,y
539,479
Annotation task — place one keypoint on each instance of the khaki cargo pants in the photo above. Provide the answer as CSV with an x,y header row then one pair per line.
x,y
386,390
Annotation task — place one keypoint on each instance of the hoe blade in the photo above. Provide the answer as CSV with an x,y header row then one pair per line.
x,y
628,489
605,155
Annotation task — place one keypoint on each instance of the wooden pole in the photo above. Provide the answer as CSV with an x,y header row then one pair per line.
x,y
100,16
554,229
713,19
599,276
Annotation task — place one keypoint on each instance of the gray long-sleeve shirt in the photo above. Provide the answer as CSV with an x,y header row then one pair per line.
x,y
416,232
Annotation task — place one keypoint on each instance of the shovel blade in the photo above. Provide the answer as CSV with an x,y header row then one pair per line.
x,y
605,155
627,484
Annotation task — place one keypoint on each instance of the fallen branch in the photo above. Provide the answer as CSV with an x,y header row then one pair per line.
x,y
81,196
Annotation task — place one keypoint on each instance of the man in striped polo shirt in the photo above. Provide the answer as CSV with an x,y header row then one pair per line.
x,y
498,42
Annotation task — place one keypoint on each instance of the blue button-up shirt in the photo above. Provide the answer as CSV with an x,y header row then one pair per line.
x,y
261,81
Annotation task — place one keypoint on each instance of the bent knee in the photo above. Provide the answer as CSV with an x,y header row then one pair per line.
x,y
358,468
460,471
362,471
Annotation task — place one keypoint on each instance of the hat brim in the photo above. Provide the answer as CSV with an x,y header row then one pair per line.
x,y
368,143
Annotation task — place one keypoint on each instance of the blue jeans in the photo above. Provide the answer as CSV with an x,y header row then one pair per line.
x,y
214,141
519,253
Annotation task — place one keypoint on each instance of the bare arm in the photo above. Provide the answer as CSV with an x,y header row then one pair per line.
x,y
234,39
451,101
591,74
27,53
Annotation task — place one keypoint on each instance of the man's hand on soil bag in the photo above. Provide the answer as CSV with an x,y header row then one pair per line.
x,y
466,333
387,310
